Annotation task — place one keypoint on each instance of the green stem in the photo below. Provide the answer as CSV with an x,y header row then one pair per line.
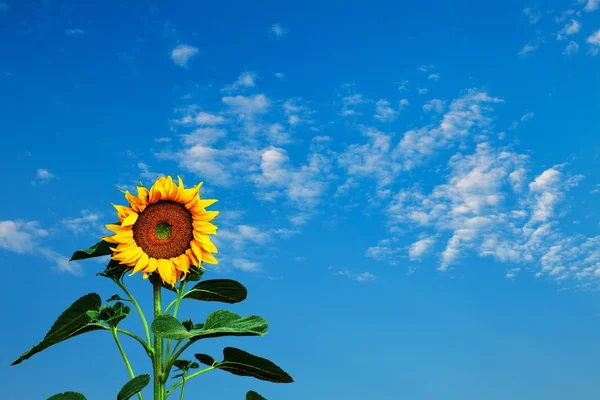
x,y
159,384
175,356
182,388
127,364
139,309
188,378
177,301
139,339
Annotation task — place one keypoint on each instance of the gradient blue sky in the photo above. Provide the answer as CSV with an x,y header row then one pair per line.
x,y
409,190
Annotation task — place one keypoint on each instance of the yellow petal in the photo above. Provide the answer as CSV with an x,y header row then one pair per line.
x,y
109,239
184,263
192,257
142,195
141,263
196,249
204,227
205,216
152,265
134,202
205,242
146,275
166,270
209,258
130,220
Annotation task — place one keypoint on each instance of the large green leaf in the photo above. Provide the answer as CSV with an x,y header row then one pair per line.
x,y
223,290
67,396
133,387
239,362
252,395
72,322
100,249
205,359
218,323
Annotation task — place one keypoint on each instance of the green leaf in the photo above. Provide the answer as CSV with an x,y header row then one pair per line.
x,y
114,314
114,270
218,323
100,249
252,395
223,290
72,322
116,297
67,396
205,359
238,362
133,387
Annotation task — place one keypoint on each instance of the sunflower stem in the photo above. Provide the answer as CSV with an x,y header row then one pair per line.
x,y
122,351
139,339
182,388
180,290
175,386
159,384
139,309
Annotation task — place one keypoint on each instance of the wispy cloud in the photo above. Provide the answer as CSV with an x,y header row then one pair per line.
x,y
182,54
279,75
278,30
4,7
533,15
86,223
359,277
594,41
434,77
24,237
569,29
42,176
245,80
384,112
74,32
571,48
592,5
528,48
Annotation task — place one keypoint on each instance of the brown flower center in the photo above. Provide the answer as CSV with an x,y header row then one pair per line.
x,y
164,230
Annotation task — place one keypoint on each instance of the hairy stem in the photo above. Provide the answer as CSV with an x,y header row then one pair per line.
x,y
139,309
159,385
122,351
187,379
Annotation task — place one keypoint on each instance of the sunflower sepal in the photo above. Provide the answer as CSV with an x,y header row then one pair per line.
x,y
114,271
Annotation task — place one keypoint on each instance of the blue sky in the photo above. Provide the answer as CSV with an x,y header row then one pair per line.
x,y
408,190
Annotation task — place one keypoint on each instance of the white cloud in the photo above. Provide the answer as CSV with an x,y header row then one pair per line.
x,y
245,80
422,90
434,77
592,5
464,115
528,48
182,54
74,32
350,103
569,29
527,116
85,223
532,15
594,38
360,277
42,176
571,48
402,87
245,265
278,30
279,75
436,105
24,237
200,118
403,103
163,140
384,112
425,68
297,111
420,248
248,105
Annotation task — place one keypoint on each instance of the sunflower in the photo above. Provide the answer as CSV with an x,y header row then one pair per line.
x,y
164,230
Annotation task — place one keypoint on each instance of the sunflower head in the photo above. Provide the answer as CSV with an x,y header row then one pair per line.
x,y
164,230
